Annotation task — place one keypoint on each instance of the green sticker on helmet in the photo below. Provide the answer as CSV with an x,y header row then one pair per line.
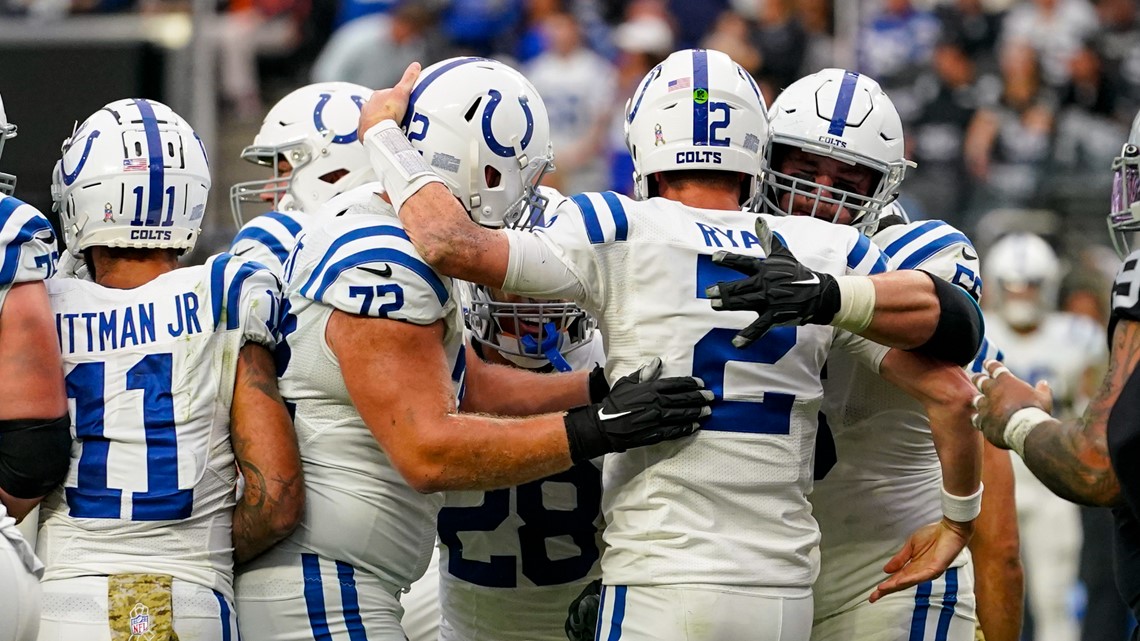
x,y
700,96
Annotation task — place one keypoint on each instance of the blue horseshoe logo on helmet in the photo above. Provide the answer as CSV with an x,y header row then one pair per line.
x,y
489,136
69,177
319,122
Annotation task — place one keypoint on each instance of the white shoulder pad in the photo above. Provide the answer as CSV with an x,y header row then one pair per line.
x,y
246,296
268,239
368,266
813,240
934,247
27,241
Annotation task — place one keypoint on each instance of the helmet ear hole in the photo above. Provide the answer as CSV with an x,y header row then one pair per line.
x,y
492,176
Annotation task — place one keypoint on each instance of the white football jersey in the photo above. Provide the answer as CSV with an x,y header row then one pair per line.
x,y
512,560
727,505
878,478
1059,351
358,508
269,238
28,243
150,374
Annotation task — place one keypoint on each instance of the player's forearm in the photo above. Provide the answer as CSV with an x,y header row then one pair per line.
x,y
265,447
998,582
906,309
1072,463
959,447
509,391
446,237
478,452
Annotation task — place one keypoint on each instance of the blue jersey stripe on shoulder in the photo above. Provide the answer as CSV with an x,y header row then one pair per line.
x,y
233,297
855,256
218,285
356,234
8,206
590,217
287,221
976,366
383,255
621,222
908,237
11,263
932,248
260,236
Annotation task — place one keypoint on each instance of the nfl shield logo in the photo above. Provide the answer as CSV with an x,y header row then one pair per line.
x,y
140,619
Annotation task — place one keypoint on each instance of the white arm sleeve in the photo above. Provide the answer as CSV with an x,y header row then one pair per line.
x,y
535,269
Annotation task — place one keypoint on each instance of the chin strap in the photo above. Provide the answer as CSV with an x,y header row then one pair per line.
x,y
549,347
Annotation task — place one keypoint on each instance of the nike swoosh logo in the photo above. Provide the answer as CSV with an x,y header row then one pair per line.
x,y
966,254
382,273
814,280
607,417
244,251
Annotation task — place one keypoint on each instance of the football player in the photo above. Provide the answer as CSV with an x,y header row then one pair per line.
x,y
1091,460
1066,350
35,431
373,359
170,372
708,537
309,141
835,152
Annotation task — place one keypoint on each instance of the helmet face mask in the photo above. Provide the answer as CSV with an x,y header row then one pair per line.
x,y
312,131
843,116
790,186
1124,217
7,130
475,119
525,331
133,175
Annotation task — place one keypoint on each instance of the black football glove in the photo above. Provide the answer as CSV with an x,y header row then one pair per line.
x,y
582,617
778,288
641,409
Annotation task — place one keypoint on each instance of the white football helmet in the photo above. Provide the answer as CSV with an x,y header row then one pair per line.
x,y
530,333
468,116
843,115
1124,218
1025,273
134,174
7,130
696,110
314,130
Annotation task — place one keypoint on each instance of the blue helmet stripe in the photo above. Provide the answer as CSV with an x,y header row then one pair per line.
x,y
641,92
843,103
154,151
423,85
700,109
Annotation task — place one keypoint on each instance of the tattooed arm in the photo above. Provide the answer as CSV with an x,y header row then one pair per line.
x,y
1070,457
265,446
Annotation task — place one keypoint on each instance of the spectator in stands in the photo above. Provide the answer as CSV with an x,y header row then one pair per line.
x,y
374,50
817,18
730,35
578,87
947,98
1007,142
245,29
1120,47
782,42
975,30
896,42
1054,29
1090,123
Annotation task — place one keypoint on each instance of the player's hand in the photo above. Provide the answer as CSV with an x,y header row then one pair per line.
x,y
779,288
641,409
1002,394
582,617
926,555
388,104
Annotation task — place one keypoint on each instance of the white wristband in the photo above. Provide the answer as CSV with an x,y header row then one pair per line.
x,y
962,509
1023,421
399,166
856,303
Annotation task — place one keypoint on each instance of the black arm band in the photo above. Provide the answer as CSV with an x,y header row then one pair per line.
x,y
958,336
34,455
